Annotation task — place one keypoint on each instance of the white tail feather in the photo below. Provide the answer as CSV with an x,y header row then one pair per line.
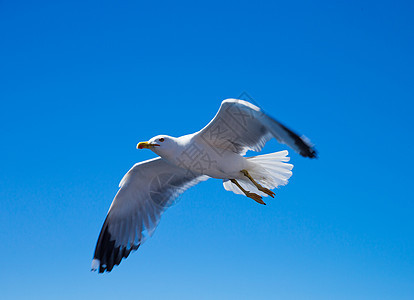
x,y
269,170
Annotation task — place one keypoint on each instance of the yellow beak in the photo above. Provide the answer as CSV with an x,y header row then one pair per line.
x,y
142,145
146,145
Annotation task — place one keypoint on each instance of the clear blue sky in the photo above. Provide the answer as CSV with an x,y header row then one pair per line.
x,y
81,82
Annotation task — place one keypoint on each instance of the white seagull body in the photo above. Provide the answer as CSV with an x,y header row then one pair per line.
x,y
215,151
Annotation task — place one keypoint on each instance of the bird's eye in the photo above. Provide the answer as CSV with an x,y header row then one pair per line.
x,y
161,140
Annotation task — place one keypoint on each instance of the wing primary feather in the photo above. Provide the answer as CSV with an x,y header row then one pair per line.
x,y
303,145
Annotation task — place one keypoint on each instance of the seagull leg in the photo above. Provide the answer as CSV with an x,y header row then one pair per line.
x,y
253,196
259,187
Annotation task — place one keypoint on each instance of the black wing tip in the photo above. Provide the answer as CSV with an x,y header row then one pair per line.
x,y
303,143
107,254
120,252
310,153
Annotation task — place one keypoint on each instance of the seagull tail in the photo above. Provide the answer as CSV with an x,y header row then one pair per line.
x,y
269,170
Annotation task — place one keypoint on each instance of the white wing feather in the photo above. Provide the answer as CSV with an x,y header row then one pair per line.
x,y
240,126
145,192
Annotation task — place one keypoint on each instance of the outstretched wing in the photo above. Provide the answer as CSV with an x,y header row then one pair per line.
x,y
240,126
145,192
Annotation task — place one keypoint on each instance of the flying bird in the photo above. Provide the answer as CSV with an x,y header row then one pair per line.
x,y
216,151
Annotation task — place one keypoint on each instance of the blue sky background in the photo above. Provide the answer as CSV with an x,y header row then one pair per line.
x,y
81,82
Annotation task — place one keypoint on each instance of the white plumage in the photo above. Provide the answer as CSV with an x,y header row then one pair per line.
x,y
215,151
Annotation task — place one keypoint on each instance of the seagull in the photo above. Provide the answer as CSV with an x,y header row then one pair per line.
x,y
216,151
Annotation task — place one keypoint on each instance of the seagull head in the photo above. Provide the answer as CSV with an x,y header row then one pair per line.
x,y
159,144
